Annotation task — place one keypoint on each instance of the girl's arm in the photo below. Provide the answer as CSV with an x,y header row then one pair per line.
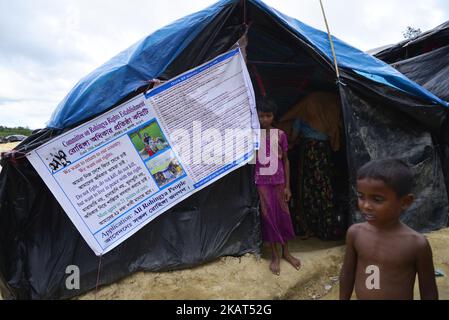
x,y
284,146
287,192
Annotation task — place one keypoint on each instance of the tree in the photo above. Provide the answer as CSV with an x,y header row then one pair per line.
x,y
411,33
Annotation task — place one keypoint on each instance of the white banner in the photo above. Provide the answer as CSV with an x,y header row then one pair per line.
x,y
114,174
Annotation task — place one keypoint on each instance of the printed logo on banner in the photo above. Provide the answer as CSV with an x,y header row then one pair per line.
x,y
57,160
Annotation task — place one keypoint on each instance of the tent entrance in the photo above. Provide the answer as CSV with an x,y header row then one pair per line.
x,y
285,70
331,175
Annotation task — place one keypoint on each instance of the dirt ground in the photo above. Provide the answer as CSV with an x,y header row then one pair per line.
x,y
235,278
7,146
249,278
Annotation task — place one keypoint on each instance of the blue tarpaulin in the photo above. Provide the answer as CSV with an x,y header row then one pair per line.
x,y
147,59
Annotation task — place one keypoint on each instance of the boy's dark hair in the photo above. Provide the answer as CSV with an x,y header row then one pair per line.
x,y
266,105
394,173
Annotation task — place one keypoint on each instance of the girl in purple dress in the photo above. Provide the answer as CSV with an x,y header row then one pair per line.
x,y
273,185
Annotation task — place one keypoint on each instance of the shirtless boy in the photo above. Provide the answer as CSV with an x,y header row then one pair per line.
x,y
383,256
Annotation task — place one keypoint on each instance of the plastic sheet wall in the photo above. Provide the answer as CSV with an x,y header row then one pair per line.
x,y
431,70
375,131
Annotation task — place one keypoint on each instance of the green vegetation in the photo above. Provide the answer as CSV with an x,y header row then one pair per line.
x,y
5,131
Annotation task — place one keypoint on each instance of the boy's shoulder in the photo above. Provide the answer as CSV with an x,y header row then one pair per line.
x,y
406,233
355,230
417,238
357,227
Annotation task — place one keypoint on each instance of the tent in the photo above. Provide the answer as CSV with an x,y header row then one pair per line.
x,y
425,60
385,114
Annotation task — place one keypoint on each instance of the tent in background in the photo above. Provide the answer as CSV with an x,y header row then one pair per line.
x,y
424,59
384,114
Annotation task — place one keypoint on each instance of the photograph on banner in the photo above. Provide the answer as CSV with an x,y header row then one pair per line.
x,y
149,140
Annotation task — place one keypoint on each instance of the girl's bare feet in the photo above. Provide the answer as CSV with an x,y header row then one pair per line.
x,y
275,266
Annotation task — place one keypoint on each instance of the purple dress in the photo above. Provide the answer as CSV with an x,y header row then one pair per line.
x,y
276,222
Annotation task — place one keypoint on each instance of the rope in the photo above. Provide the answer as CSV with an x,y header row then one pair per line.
x,y
331,41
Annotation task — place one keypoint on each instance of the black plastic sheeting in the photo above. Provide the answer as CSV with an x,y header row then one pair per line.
x,y
425,60
430,70
375,131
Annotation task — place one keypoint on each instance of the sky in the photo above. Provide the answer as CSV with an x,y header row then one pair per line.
x,y
47,46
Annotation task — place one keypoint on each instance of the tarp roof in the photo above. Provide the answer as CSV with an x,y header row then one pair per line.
x,y
147,59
